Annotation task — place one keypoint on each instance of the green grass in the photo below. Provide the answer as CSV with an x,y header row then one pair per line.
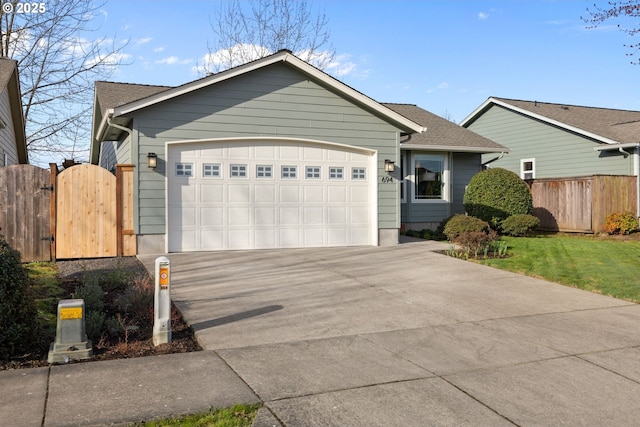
x,y
236,416
608,267
46,289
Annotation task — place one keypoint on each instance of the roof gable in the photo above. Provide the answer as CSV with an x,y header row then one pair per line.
x,y
606,125
10,82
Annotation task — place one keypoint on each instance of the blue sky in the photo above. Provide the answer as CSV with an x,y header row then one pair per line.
x,y
445,56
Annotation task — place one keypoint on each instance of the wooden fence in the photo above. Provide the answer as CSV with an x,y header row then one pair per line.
x,y
581,204
81,212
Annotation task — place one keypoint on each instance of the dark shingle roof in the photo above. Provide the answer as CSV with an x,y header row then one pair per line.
x,y
622,126
112,95
442,132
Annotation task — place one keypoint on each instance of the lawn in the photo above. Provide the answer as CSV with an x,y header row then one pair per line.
x,y
605,266
236,416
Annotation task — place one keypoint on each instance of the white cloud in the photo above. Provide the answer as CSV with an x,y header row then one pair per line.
x,y
140,42
159,49
483,15
441,86
173,60
222,59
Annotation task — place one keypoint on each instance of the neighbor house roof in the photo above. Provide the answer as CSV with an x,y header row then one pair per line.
x,y
605,125
442,134
102,115
10,82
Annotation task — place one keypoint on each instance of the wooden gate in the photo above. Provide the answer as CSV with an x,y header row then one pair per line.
x,y
94,212
25,200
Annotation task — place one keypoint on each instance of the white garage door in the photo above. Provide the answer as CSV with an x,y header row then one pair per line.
x,y
269,194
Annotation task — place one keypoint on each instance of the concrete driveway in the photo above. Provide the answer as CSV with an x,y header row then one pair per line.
x,y
402,335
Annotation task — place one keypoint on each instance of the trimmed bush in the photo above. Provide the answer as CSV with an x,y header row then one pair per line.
x,y
621,223
493,195
519,225
459,224
18,314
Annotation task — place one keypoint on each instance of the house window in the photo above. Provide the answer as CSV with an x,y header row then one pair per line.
x,y
184,169
211,170
528,168
336,172
313,172
264,171
238,171
358,174
429,177
289,172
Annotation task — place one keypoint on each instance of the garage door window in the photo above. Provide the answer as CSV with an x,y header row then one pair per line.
x,y
264,171
313,172
358,174
336,173
184,169
211,170
238,171
289,172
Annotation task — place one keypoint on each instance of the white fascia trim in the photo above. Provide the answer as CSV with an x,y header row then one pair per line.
x,y
282,57
452,148
538,117
275,139
617,146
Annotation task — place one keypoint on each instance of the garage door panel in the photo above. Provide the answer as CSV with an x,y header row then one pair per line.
x,y
271,201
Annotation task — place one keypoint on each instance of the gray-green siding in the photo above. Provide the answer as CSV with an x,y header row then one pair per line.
x,y
557,152
7,135
273,101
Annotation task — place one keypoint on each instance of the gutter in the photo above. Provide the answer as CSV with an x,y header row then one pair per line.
x,y
484,165
636,166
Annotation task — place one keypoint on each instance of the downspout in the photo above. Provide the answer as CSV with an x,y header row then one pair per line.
x,y
122,128
484,165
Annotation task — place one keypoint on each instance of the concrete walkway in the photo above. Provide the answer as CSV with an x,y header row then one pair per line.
x,y
366,336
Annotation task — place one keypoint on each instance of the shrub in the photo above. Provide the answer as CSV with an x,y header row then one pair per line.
x,y
459,224
493,195
621,223
519,225
18,314
137,299
476,242
92,294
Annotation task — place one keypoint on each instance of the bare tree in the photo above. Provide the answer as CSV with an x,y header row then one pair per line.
x,y
617,10
263,27
58,66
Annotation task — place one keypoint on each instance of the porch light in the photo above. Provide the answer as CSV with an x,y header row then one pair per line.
x,y
389,166
152,160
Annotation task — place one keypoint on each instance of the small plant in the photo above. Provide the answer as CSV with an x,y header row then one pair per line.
x,y
621,223
92,294
519,225
137,299
459,224
94,321
18,314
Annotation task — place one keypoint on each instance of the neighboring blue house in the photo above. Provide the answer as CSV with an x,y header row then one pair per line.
x,y
276,153
13,143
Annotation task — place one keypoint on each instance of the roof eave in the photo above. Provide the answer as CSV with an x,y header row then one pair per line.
x,y
17,117
487,104
617,146
454,148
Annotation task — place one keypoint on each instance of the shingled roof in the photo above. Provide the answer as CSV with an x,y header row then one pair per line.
x,y
111,95
606,124
442,133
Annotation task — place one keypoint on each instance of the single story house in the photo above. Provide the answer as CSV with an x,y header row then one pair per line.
x,y
276,153
13,143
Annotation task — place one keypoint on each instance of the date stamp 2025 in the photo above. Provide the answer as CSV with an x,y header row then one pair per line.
x,y
20,7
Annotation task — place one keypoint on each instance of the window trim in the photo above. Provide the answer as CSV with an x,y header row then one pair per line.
x,y
246,171
361,170
270,171
446,181
295,171
218,176
176,165
523,172
336,168
314,169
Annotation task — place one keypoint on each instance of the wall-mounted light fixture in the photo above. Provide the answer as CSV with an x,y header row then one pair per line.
x,y
389,166
152,160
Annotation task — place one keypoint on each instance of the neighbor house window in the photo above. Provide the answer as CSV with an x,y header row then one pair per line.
x,y
264,171
289,172
184,169
429,177
211,170
336,172
528,168
238,171
313,172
